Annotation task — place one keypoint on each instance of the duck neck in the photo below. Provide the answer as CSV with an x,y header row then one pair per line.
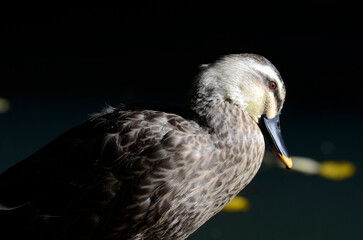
x,y
222,118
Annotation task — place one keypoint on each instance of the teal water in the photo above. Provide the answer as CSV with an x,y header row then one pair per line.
x,y
284,204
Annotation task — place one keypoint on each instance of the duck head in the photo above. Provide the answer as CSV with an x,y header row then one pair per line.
x,y
252,83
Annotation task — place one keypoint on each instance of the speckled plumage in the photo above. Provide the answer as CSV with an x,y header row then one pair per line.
x,y
130,173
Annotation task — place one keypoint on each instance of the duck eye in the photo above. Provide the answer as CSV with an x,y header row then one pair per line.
x,y
272,85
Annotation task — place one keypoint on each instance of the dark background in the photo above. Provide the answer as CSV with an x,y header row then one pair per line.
x,y
61,62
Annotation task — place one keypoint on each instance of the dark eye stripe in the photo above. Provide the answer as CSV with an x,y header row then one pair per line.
x,y
276,92
278,97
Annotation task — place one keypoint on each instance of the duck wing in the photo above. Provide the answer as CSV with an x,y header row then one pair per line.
x,y
81,176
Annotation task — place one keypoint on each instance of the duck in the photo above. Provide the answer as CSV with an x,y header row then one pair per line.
x,y
139,172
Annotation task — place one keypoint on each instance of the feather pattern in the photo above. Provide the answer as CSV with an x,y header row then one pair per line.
x,y
125,173
137,173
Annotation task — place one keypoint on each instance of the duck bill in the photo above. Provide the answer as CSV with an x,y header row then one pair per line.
x,y
272,131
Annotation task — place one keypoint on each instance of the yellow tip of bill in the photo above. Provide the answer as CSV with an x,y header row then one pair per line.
x,y
285,160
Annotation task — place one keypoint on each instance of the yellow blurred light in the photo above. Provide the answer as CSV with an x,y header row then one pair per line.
x,y
237,204
4,105
337,170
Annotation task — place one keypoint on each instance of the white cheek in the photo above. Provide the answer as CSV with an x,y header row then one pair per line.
x,y
255,103
250,101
